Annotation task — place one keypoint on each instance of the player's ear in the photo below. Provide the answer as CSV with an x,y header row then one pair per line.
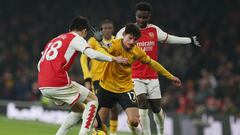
x,y
84,30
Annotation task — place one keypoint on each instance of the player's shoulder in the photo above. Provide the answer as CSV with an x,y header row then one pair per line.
x,y
120,33
92,39
92,42
122,29
116,41
75,36
152,26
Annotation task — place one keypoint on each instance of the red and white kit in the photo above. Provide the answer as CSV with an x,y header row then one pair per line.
x,y
146,79
54,64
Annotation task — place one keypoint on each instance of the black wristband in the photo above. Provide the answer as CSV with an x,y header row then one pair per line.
x,y
192,41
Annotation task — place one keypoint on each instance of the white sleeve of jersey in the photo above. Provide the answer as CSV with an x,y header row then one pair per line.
x,y
120,33
96,55
80,44
171,39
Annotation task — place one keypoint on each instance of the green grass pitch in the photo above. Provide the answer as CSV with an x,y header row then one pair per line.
x,y
21,127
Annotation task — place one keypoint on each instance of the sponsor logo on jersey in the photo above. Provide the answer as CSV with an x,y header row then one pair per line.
x,y
145,43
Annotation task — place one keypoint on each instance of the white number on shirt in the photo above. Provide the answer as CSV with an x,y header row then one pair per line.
x,y
52,53
132,96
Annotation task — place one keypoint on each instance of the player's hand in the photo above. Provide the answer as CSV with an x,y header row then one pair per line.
x,y
120,59
176,81
88,84
194,41
98,36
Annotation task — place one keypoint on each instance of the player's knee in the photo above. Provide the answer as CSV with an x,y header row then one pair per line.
x,y
92,97
134,120
156,109
155,105
142,101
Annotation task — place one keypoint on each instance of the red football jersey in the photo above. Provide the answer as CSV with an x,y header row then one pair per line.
x,y
148,42
57,58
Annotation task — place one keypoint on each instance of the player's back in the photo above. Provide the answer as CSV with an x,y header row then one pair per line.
x,y
56,60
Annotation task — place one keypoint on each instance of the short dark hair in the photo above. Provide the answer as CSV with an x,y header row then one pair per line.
x,y
132,29
79,23
105,22
143,6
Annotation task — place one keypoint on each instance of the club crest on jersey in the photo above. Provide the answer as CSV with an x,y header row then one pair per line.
x,y
151,35
107,45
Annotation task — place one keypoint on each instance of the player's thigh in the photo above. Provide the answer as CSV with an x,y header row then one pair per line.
x,y
91,96
105,98
127,99
103,113
142,101
114,112
140,86
85,94
153,89
71,95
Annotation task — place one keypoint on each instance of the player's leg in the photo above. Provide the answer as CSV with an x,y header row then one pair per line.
x,y
89,113
158,115
128,102
113,120
73,118
154,98
99,124
61,97
140,87
133,120
74,95
103,113
106,101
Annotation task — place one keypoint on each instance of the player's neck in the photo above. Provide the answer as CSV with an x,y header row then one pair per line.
x,y
78,32
141,27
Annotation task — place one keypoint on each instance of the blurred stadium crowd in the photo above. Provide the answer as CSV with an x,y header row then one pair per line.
x,y
210,75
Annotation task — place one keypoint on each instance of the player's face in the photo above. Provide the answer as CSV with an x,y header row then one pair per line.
x,y
142,18
107,30
129,41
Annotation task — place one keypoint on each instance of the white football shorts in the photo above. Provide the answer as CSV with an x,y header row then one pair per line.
x,y
150,87
70,95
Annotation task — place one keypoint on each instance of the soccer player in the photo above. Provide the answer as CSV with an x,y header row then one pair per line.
x,y
146,83
116,82
93,75
53,79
